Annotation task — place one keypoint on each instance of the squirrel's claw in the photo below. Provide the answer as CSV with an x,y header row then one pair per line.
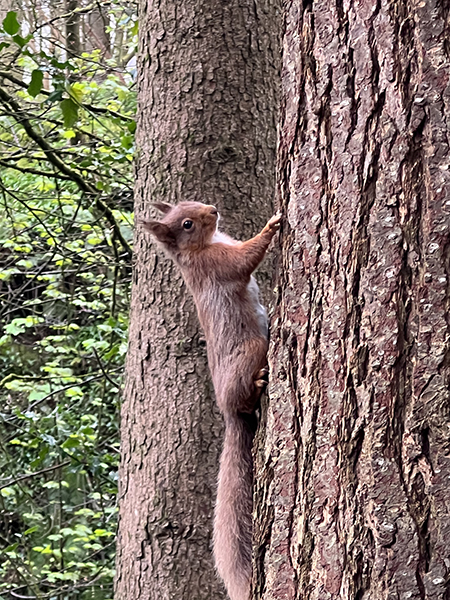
x,y
262,373
274,223
261,378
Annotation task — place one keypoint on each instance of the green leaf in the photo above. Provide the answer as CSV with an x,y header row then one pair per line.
x,y
72,442
12,547
14,329
76,91
70,112
22,41
10,23
68,530
37,77
20,324
51,485
60,65
131,125
39,392
55,96
74,391
127,141
31,530
111,353
94,240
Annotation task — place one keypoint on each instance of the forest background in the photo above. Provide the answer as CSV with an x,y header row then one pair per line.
x,y
67,104
352,454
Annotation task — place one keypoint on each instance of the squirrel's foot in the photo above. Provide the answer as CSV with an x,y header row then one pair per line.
x,y
261,378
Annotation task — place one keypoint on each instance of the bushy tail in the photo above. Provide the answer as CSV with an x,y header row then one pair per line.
x,y
233,515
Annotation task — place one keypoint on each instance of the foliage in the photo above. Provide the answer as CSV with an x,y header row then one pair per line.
x,y
66,149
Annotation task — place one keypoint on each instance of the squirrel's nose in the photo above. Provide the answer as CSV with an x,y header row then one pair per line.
x,y
213,210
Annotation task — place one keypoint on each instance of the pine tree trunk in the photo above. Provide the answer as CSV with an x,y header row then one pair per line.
x,y
206,131
353,494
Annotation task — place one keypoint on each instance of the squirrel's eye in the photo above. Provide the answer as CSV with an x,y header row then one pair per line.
x,y
187,224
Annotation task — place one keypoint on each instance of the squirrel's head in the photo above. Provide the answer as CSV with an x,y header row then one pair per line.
x,y
188,226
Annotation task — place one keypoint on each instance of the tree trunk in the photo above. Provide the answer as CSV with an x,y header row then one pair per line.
x,y
95,31
206,131
72,29
353,465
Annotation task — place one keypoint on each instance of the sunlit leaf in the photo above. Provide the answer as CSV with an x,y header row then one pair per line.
x,y
76,91
31,530
127,141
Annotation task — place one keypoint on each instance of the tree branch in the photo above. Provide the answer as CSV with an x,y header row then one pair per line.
x,y
30,475
52,155
5,163
89,107
77,11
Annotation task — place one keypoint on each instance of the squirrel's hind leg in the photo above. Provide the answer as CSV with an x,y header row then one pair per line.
x,y
261,379
244,378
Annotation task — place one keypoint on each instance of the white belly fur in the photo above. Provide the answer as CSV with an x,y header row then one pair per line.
x,y
261,313
253,289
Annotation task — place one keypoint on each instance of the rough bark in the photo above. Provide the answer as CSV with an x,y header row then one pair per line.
x,y
353,493
206,132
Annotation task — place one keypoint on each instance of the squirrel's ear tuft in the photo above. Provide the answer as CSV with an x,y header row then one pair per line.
x,y
159,230
162,207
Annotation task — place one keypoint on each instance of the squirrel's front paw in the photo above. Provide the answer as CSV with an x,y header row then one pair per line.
x,y
273,225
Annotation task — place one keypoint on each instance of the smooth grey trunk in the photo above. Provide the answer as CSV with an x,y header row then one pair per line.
x,y
353,494
206,131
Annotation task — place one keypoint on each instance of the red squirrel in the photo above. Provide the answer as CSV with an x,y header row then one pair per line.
x,y
218,272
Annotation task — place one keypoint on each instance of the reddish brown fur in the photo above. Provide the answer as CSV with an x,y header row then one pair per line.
x,y
217,270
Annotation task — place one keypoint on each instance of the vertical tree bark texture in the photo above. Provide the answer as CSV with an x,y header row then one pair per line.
x,y
353,494
206,131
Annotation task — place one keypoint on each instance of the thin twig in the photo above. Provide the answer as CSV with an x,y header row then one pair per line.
x,y
89,107
36,473
8,165
107,377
